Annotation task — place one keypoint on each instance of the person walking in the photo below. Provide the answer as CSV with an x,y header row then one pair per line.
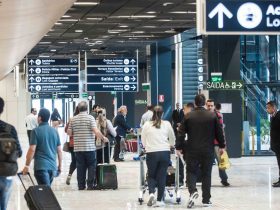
x,y
177,117
73,166
44,148
274,134
31,122
222,173
6,181
201,127
55,118
147,116
83,128
122,129
157,138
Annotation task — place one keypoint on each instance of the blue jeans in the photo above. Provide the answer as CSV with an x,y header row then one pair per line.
x,y
44,177
5,191
157,163
86,163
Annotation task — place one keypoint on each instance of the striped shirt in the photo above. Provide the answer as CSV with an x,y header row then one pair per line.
x,y
82,128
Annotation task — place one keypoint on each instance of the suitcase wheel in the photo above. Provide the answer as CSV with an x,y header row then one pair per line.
x,y
140,201
178,200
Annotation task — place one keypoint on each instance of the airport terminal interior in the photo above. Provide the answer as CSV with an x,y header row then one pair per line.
x,y
136,53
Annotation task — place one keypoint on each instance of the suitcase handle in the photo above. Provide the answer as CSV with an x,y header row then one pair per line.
x,y
103,146
21,174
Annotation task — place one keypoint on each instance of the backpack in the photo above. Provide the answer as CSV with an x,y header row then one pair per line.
x,y
8,153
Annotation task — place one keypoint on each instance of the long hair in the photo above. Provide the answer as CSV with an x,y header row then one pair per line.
x,y
102,121
157,114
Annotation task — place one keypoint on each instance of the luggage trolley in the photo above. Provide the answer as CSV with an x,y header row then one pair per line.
x,y
171,190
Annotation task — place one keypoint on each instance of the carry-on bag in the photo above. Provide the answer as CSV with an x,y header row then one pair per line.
x,y
131,145
107,174
39,197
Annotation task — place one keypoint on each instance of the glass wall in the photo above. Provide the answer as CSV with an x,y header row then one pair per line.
x,y
260,72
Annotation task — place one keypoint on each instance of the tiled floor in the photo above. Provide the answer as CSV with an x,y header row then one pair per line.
x,y
250,179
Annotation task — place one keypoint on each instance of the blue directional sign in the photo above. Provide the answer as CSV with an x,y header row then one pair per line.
x,y
52,95
35,79
240,17
53,87
53,62
53,70
106,75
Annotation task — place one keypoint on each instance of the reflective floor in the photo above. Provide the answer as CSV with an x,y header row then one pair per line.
x,y
250,179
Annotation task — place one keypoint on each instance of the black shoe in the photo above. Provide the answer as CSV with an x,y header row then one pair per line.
x,y
82,188
276,184
118,160
225,183
192,198
92,188
207,203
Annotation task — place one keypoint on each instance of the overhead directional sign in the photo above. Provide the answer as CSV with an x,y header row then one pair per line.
x,y
106,75
225,85
53,75
51,95
238,17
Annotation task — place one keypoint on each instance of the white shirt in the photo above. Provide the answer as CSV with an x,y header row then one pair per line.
x,y
157,139
147,116
31,121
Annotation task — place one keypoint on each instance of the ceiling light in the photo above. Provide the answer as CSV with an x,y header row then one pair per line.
x,y
62,42
164,20
66,16
46,35
58,24
44,56
134,16
193,3
151,12
179,12
79,31
191,12
85,3
116,31
44,42
167,3
51,30
99,42
149,26
123,26
170,31
68,20
138,32
53,50
94,18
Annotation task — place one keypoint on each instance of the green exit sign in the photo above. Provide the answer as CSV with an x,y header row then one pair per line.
x,y
216,76
146,86
84,95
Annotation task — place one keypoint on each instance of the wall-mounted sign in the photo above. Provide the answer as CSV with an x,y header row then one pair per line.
x,y
106,75
239,17
161,98
225,85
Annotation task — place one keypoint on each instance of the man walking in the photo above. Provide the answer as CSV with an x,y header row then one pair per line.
x,y
147,116
6,182
274,134
222,173
44,148
31,122
202,127
83,128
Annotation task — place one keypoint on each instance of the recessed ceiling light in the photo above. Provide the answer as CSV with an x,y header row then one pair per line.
x,y
167,3
79,31
58,24
123,26
94,18
151,12
66,16
138,32
170,31
53,50
62,42
179,12
193,3
68,20
51,30
44,56
134,16
85,3
149,26
46,35
164,20
44,42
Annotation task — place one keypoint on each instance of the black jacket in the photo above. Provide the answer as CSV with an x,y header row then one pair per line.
x,y
122,126
275,132
202,127
177,117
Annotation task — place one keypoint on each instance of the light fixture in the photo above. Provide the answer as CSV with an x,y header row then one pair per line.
x,y
151,12
134,16
123,26
44,42
85,3
79,31
58,23
164,20
68,20
53,50
149,26
44,56
179,12
138,32
66,16
167,3
62,42
94,18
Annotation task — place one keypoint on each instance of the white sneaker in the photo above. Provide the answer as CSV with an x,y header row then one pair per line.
x,y
151,200
192,198
159,204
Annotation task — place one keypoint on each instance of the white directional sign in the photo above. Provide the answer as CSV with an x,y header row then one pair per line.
x,y
238,17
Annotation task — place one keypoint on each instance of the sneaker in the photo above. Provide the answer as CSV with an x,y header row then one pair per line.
x,y
276,184
68,179
225,183
151,200
159,204
192,198
206,204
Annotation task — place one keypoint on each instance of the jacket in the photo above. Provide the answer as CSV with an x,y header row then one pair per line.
x,y
202,127
275,132
122,126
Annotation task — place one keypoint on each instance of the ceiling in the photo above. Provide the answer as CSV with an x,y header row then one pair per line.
x,y
115,27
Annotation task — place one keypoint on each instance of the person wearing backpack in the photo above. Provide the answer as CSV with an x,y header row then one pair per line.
x,y
8,136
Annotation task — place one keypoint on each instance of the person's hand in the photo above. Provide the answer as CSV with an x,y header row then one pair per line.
x,y
178,124
105,139
179,152
25,170
221,150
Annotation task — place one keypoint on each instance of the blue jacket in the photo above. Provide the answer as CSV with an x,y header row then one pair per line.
x,y
122,126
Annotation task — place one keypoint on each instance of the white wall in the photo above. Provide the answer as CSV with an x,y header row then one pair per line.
x,y
16,108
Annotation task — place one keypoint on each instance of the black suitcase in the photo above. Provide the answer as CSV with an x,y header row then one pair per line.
x,y
106,174
170,176
39,197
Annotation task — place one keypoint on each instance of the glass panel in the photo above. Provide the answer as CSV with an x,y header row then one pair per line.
x,y
58,105
36,104
48,104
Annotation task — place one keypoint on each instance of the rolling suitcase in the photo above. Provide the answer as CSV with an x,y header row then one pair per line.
x,y
107,174
39,197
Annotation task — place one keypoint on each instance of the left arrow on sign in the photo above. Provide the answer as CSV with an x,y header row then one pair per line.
x,y
220,9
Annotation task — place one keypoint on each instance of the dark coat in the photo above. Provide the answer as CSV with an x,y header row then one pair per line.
x,y
202,127
177,117
275,132
122,126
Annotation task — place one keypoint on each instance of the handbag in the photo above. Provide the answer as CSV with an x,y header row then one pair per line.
x,y
224,162
65,147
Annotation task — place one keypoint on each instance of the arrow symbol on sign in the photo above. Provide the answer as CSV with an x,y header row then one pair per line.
x,y
31,70
31,79
132,61
133,78
220,9
239,85
133,87
133,70
31,88
31,62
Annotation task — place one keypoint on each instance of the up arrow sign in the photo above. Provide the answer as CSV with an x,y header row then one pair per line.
x,y
220,9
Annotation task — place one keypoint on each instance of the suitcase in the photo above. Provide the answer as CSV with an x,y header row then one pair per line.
x,y
39,197
170,176
131,145
106,174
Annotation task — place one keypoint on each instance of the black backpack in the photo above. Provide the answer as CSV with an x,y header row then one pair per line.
x,y
8,153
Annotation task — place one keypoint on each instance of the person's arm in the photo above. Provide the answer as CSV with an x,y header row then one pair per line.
x,y
171,135
144,134
99,135
70,128
29,157
180,138
59,157
122,123
111,129
219,135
